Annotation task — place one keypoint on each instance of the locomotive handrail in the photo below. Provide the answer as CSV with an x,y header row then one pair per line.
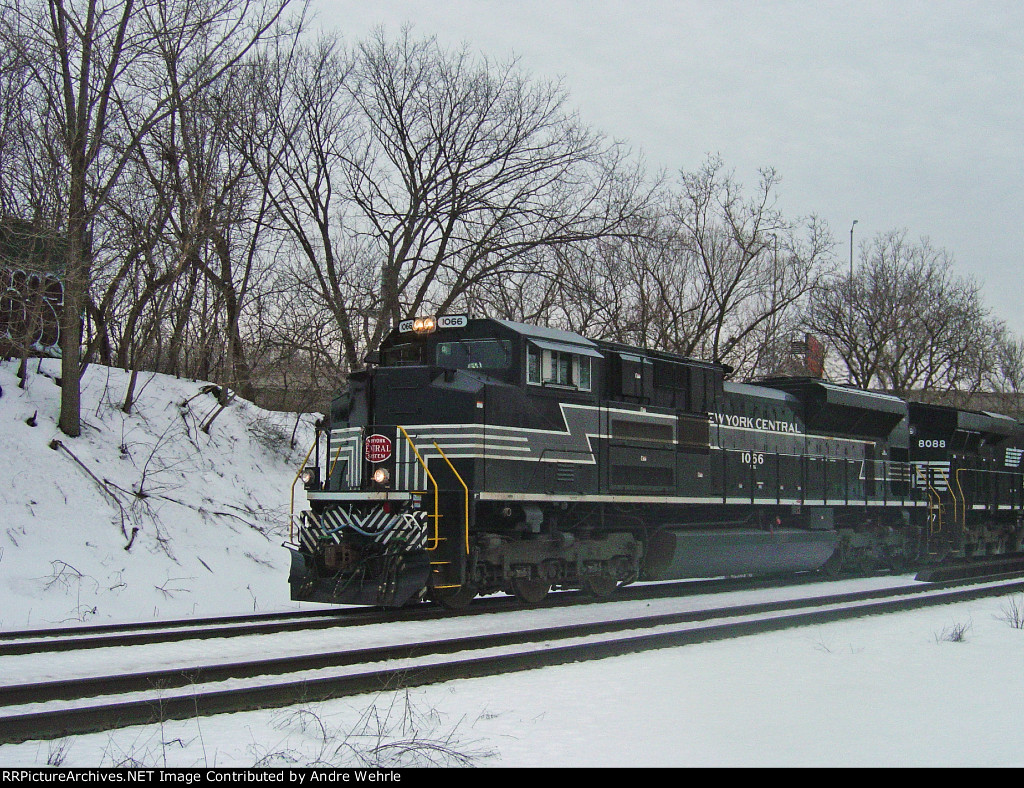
x,y
337,455
291,511
437,536
963,500
961,519
934,525
464,487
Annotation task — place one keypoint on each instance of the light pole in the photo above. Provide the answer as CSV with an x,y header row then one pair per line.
x,y
849,294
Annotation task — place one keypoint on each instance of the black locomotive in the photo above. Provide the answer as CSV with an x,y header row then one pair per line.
x,y
479,455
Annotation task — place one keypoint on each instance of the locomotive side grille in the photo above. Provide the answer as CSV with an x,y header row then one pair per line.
x,y
658,432
899,471
635,476
934,474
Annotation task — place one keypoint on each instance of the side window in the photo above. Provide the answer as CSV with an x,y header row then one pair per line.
x,y
558,368
533,365
583,381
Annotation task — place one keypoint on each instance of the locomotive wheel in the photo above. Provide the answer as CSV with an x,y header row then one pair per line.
x,y
453,598
602,587
530,592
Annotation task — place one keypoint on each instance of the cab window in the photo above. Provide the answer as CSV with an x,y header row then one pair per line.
x,y
475,354
557,368
402,355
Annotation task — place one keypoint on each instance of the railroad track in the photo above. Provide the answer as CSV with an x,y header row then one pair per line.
x,y
143,633
53,709
77,638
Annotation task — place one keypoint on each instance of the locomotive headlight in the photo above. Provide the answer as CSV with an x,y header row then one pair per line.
x,y
381,476
424,325
310,477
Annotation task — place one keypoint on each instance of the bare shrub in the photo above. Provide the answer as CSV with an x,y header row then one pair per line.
x,y
392,734
271,435
956,633
1013,611
69,580
57,752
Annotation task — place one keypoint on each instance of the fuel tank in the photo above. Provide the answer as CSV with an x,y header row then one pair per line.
x,y
679,554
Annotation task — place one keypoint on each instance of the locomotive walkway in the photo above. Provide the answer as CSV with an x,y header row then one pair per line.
x,y
41,709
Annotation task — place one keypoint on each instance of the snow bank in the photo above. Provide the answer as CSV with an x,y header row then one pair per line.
x,y
211,510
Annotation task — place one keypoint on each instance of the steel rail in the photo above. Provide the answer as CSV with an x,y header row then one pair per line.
x,y
69,721
72,689
141,633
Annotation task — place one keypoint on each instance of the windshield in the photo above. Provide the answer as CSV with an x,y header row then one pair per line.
x,y
402,355
475,354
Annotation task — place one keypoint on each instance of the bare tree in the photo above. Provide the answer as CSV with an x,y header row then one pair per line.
x,y
466,168
706,272
220,211
744,265
297,146
1005,375
16,138
905,322
411,178
99,64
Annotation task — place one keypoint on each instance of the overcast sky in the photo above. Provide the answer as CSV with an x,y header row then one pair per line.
x,y
897,114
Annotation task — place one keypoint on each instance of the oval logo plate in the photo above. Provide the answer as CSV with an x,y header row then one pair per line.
x,y
378,448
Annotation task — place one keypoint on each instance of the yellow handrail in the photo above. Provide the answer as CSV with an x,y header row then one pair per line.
x,y
464,487
437,537
337,454
963,499
291,511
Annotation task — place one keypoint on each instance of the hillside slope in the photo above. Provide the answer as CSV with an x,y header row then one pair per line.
x,y
208,511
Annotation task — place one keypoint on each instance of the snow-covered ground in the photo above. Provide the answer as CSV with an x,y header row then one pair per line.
x,y
212,512
211,509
